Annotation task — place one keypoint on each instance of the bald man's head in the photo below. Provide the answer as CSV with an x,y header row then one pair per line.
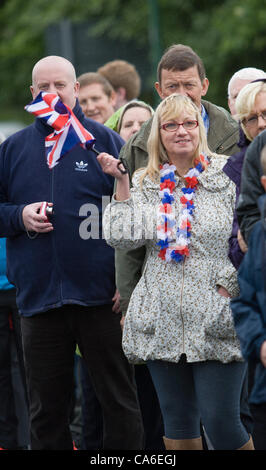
x,y
55,74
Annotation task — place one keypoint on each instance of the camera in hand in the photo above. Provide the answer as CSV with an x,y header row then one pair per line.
x,y
46,210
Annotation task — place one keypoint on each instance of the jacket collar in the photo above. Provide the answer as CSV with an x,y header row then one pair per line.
x,y
222,125
243,140
213,178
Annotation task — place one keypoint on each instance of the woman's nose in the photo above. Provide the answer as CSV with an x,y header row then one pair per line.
x,y
181,130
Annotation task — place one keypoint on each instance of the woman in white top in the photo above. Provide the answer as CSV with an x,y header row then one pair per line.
x,y
179,319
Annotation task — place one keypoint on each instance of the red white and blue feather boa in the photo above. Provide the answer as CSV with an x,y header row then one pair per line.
x,y
174,240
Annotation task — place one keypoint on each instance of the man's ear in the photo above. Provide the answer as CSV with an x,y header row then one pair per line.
x,y
121,92
113,98
76,88
204,86
158,89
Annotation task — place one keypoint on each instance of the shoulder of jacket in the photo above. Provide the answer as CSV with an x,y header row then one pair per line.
x,y
144,183
218,112
218,160
255,147
258,231
223,135
214,177
217,164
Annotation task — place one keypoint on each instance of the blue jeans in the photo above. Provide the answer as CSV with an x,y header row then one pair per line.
x,y
207,392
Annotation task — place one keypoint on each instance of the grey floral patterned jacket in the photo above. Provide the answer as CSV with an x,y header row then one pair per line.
x,y
175,308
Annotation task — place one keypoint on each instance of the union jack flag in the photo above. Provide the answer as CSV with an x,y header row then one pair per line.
x,y
68,131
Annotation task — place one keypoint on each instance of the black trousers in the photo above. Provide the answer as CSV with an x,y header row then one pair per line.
x,y
259,432
10,420
49,342
149,405
92,419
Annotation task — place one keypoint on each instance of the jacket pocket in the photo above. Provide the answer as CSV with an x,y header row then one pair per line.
x,y
143,309
218,322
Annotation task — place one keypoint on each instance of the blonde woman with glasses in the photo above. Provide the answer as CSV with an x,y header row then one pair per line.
x,y
179,319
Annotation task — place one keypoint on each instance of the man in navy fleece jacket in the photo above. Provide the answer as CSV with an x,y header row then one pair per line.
x,y
64,279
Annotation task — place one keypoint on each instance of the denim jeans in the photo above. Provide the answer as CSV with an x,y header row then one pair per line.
x,y
207,392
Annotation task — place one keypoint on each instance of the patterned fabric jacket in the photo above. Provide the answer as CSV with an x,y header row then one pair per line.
x,y
223,136
175,308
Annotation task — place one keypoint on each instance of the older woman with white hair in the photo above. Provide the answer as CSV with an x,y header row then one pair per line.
x,y
251,112
241,78
179,319
251,108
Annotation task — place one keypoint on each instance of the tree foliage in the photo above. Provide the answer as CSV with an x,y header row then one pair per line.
x,y
227,35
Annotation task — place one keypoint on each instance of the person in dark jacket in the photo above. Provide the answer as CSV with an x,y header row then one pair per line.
x,y
251,188
250,102
233,169
64,273
249,310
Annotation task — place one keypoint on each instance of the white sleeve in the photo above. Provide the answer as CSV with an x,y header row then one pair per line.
x,y
131,223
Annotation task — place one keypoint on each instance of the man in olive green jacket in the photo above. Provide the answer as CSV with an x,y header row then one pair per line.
x,y
180,70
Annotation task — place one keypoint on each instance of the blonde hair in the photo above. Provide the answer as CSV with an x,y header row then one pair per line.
x,y
245,102
170,108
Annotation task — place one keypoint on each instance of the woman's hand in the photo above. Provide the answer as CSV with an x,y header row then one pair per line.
x,y
222,291
116,300
122,322
109,166
241,242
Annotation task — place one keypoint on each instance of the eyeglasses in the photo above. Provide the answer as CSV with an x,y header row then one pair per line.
x,y
174,126
253,120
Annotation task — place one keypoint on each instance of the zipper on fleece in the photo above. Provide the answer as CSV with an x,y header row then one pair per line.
x,y
53,238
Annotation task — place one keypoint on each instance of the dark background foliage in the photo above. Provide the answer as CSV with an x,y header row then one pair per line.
x,y
228,35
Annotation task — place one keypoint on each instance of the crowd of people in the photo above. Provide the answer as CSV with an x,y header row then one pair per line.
x,y
164,310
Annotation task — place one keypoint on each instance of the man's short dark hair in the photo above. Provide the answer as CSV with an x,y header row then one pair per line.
x,y
180,57
90,78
